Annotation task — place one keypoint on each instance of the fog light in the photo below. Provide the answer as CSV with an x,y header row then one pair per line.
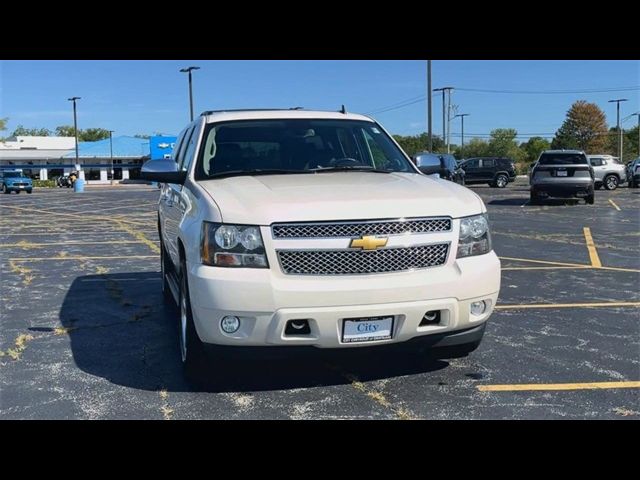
x,y
230,324
478,308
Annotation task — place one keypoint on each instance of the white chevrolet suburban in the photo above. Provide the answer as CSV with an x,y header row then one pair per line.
x,y
283,228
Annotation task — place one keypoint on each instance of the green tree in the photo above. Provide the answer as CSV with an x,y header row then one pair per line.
x,y
413,144
584,128
93,134
87,135
65,131
629,143
31,132
503,143
3,126
476,147
532,148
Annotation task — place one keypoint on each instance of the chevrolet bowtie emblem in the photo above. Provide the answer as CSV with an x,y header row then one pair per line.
x,y
368,242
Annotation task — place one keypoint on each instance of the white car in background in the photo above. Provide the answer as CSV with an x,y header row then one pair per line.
x,y
294,228
608,170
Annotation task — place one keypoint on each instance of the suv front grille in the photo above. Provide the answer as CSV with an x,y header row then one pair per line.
x,y
358,229
354,262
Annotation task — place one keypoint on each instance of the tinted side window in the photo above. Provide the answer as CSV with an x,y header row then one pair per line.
x,y
190,150
472,163
488,163
183,145
596,162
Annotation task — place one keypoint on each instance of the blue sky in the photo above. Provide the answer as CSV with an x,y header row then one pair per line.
x,y
132,96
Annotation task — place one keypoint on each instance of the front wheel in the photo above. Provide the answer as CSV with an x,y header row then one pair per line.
x,y
5,190
611,182
192,352
534,200
29,191
590,199
501,181
17,192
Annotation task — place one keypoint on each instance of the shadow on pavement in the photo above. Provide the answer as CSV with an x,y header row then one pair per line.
x,y
120,329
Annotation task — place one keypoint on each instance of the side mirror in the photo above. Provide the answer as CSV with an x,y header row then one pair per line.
x,y
429,164
162,171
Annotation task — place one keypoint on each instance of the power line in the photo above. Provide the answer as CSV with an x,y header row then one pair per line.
x,y
420,98
552,92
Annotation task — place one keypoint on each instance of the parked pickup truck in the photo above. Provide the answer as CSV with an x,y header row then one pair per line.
x,y
294,228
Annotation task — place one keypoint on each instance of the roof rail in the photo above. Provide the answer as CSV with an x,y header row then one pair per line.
x,y
210,112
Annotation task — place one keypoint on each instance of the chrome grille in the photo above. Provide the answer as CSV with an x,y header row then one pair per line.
x,y
358,229
353,262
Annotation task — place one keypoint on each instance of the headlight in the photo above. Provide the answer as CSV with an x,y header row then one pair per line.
x,y
474,238
226,245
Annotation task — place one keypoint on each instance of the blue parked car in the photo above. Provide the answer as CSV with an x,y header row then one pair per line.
x,y
15,181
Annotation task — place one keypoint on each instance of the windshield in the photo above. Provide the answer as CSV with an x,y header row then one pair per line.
x,y
296,146
562,159
12,174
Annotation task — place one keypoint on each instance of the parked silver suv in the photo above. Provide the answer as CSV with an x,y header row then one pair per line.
x,y
609,172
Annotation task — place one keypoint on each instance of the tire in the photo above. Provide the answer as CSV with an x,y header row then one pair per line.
x,y
597,186
501,181
4,190
192,351
534,200
611,182
457,351
17,192
590,200
29,192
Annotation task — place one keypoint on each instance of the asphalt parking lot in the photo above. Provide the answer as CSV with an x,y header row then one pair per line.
x,y
85,334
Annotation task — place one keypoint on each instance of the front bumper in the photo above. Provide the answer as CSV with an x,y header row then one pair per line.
x,y
265,301
18,188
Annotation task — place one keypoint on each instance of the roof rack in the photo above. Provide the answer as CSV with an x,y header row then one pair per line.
x,y
210,112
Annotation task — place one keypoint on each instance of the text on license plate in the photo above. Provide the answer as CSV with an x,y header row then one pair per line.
x,y
366,329
561,173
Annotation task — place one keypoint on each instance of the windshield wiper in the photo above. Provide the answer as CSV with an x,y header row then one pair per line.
x,y
256,171
351,168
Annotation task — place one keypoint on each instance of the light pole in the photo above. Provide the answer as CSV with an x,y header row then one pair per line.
x,y
444,111
75,131
617,102
189,70
462,115
113,179
429,107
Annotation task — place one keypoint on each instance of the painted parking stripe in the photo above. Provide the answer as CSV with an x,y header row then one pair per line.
x,y
567,305
591,247
541,387
614,205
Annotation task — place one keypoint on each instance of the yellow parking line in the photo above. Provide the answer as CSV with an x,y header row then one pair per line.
x,y
71,242
41,259
614,204
593,253
547,268
567,305
557,386
544,262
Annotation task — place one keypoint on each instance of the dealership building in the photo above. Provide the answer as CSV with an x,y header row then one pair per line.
x,y
51,157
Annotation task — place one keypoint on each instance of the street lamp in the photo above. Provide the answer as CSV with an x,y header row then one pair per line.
x,y
75,131
444,114
189,70
113,179
462,115
617,102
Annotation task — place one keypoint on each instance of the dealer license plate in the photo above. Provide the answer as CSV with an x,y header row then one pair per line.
x,y
366,329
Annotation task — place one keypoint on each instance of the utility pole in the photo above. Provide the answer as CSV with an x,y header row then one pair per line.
x,y
75,131
429,106
449,121
189,70
462,115
617,102
444,110
113,180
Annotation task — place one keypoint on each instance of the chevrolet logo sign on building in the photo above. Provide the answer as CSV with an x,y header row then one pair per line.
x,y
368,242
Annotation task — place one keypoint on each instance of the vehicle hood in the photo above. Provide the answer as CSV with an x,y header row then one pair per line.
x,y
262,200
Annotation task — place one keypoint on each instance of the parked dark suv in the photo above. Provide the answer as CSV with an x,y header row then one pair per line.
x,y
497,172
441,163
